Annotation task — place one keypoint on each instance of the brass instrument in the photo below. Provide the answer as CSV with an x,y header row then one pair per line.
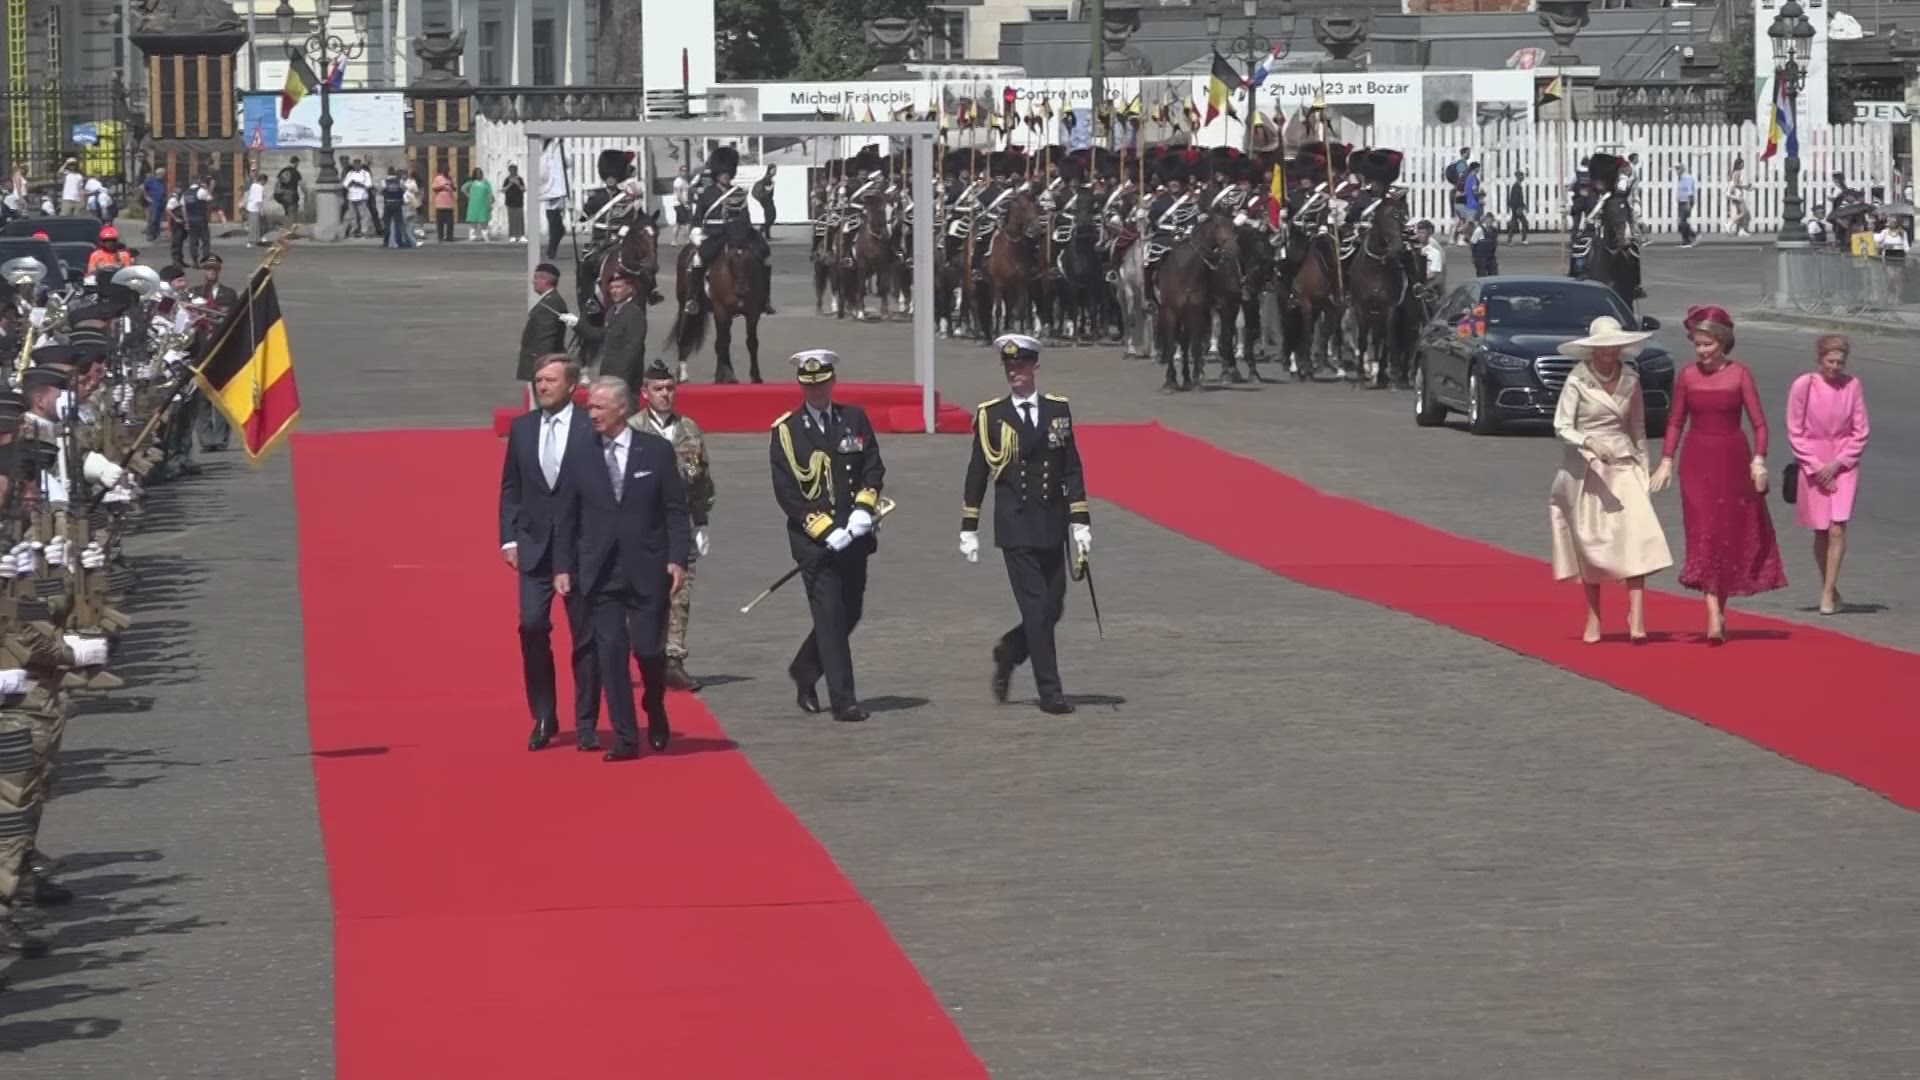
x,y
142,281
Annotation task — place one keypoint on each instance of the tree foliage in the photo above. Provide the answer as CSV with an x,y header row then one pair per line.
x,y
815,40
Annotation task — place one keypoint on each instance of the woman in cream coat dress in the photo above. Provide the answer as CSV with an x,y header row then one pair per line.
x,y
1604,528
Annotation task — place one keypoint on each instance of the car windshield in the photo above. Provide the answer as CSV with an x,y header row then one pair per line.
x,y
1548,308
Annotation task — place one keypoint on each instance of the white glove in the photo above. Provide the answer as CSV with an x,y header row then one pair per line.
x,y
570,319
94,558
970,546
838,539
23,564
859,523
1083,539
13,681
87,651
97,469
701,544
57,552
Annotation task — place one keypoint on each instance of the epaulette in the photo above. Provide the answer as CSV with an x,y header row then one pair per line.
x,y
1061,398
778,420
989,403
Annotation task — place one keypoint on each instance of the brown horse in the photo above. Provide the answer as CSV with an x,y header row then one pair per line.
x,y
1376,286
873,257
1011,264
1199,277
1318,289
632,249
736,288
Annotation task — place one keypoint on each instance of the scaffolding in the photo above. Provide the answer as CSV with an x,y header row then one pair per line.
x,y
19,115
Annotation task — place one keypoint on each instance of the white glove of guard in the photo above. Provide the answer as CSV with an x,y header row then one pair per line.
x,y
13,681
570,319
970,546
838,539
97,469
1083,539
859,523
94,558
87,651
23,562
57,552
701,544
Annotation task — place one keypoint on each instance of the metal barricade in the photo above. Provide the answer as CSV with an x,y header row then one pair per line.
x,y
1813,281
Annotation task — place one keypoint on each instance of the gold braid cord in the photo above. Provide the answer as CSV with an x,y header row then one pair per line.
x,y
1009,444
817,477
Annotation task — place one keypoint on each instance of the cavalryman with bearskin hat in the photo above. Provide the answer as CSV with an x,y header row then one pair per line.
x,y
616,170
716,204
1168,216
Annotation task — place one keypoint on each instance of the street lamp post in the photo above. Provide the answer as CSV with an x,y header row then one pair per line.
x,y
1791,36
1249,48
323,47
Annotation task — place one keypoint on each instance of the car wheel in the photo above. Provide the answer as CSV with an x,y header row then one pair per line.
x,y
1480,419
1427,412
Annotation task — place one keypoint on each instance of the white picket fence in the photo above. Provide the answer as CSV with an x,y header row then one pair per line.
x,y
1547,152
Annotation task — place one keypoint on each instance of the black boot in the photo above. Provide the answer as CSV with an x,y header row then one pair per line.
x,y
1152,294
15,941
766,283
697,291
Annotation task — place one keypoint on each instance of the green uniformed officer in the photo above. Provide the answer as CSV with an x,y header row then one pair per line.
x,y
690,444
827,476
1023,447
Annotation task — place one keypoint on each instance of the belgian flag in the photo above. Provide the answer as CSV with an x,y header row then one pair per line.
x,y
248,374
1222,81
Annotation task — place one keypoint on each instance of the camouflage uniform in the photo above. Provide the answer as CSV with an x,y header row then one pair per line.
x,y
690,444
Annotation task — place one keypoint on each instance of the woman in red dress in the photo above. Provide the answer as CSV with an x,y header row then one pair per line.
x,y
1730,545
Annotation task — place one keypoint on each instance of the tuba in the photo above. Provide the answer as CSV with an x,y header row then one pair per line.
x,y
144,282
25,270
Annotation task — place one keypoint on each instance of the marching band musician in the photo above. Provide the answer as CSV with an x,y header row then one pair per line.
x,y
1024,449
827,477
714,207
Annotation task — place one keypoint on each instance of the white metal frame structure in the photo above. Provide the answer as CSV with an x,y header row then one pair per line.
x,y
920,135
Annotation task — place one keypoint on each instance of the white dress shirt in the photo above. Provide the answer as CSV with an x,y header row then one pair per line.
x,y
1027,408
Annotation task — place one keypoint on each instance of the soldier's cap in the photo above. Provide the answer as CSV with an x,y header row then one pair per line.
x,y
63,355
815,365
1016,347
54,375
89,345
37,455
657,370
12,407
99,311
548,269
172,272
212,260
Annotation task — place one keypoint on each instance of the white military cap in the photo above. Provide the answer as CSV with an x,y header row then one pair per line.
x,y
815,365
1017,347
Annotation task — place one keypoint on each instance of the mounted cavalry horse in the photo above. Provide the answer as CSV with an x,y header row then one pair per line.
x,y
1311,312
624,239
725,270
1609,242
1378,282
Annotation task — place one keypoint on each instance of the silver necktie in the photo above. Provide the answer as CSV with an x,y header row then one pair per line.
x,y
613,467
550,452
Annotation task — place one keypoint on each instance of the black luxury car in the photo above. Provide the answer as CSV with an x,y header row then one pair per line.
x,y
1492,351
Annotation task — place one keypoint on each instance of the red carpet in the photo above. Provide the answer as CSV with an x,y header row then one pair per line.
x,y
894,408
505,914
1766,685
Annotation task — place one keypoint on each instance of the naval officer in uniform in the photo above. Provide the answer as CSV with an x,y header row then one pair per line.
x,y
827,476
1023,447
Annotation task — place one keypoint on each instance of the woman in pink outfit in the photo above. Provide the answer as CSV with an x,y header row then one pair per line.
x,y
1731,550
1827,427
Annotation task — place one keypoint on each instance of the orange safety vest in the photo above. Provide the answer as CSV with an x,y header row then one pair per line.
x,y
102,257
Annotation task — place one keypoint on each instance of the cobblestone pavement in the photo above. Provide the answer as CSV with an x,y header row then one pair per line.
x,y
1288,834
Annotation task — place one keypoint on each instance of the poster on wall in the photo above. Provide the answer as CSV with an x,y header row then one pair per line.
x,y
358,120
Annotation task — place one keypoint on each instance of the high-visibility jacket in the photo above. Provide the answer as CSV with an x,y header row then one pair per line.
x,y
115,259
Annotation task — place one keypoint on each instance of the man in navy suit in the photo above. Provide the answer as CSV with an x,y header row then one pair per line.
x,y
532,484
624,537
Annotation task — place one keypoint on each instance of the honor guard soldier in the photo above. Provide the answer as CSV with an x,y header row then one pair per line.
x,y
717,204
827,476
658,416
615,166
1023,447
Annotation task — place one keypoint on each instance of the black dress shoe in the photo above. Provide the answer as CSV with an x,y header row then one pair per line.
x,y
1002,673
589,744
1058,706
543,732
852,714
17,942
806,697
622,753
659,734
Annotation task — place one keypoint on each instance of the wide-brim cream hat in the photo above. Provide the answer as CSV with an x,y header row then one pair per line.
x,y
1606,332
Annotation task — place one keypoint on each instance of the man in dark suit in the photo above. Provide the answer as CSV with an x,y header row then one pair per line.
x,y
218,296
827,475
210,427
625,535
1023,447
546,330
622,336
532,486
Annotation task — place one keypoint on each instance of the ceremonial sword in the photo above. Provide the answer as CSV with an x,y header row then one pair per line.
x,y
1083,571
882,510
